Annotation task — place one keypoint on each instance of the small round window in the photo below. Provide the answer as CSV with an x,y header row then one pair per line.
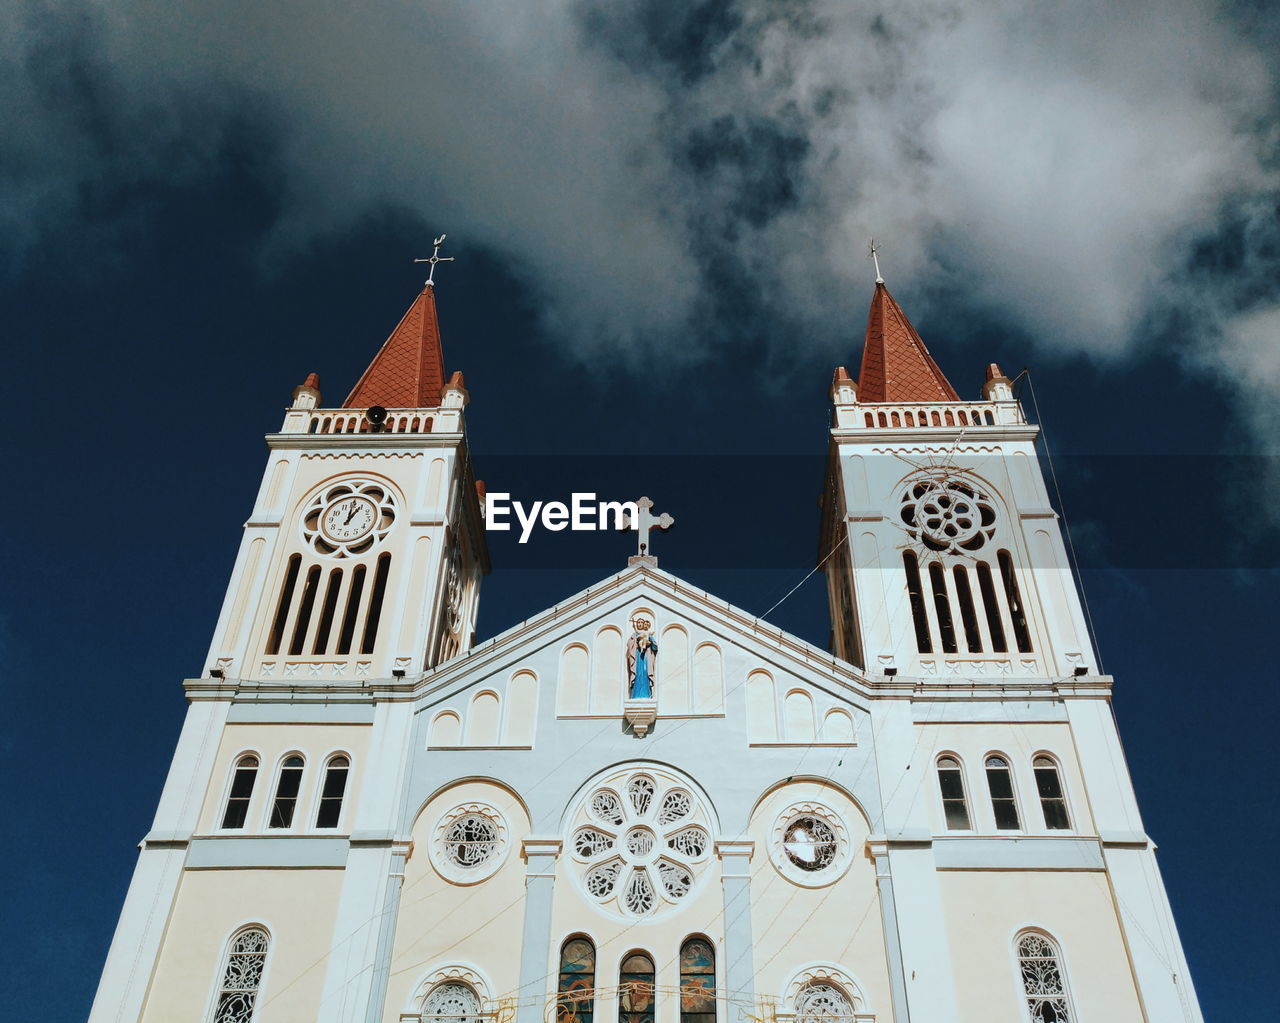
x,y
470,843
810,843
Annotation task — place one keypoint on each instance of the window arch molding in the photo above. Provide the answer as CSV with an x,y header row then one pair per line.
x,y
228,781
274,792
456,973
220,976
1025,997
826,973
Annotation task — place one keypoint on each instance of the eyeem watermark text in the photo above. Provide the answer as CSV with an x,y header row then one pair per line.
x,y
582,513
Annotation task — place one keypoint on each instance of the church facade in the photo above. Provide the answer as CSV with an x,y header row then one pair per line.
x,y
645,804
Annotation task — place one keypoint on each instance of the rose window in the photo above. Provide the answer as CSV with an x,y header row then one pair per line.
x,y
641,841
946,513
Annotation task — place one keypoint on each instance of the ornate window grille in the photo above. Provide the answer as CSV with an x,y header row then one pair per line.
x,y
821,1000
640,789
471,840
576,991
810,843
1043,981
241,977
451,1002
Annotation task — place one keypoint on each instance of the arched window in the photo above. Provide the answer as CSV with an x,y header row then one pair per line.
x,y
287,789
968,616
994,624
282,606
1021,631
451,1002
1003,803
635,989
576,999
822,1000
1053,802
955,808
915,595
1043,981
697,982
241,977
332,790
245,774
942,606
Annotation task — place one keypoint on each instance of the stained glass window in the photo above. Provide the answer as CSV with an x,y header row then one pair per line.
x,y
577,982
635,989
697,982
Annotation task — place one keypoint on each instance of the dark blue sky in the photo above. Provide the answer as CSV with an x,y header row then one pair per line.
x,y
160,301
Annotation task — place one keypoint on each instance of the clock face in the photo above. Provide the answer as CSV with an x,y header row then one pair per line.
x,y
348,518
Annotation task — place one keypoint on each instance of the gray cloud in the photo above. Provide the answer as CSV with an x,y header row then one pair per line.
x,y
672,172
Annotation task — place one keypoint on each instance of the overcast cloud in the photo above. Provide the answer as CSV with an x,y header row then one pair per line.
x,y
671,174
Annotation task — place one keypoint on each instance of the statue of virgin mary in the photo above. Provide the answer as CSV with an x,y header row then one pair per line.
x,y
642,651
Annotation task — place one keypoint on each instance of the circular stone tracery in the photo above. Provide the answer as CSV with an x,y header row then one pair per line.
x,y
641,839
947,513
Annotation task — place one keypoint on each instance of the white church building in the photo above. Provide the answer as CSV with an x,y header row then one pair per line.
x,y
646,805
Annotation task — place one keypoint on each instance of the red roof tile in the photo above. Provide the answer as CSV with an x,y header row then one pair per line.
x,y
408,371
896,366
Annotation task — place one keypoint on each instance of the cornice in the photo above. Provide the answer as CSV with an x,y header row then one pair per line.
x,y
344,445
936,434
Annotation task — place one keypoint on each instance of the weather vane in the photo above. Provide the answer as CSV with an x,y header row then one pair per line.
x,y
433,259
874,253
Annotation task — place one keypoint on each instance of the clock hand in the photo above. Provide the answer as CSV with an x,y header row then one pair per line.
x,y
352,512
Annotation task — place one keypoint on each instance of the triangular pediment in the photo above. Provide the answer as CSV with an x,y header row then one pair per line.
x,y
713,660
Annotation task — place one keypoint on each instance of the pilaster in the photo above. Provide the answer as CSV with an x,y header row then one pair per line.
x,y
540,855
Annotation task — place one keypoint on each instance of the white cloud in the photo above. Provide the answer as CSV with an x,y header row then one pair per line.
x,y
1064,156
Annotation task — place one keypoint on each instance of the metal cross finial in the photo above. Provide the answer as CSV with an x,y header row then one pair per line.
x,y
648,521
874,253
433,259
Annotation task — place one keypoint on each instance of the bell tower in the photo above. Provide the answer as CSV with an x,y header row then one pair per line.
x,y
363,554
944,558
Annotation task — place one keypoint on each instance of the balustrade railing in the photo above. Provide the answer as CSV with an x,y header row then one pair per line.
x,y
933,414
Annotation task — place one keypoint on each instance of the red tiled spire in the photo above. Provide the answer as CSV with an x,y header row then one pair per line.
x,y
896,366
408,370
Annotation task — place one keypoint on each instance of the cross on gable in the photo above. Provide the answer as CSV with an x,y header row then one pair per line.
x,y
645,522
